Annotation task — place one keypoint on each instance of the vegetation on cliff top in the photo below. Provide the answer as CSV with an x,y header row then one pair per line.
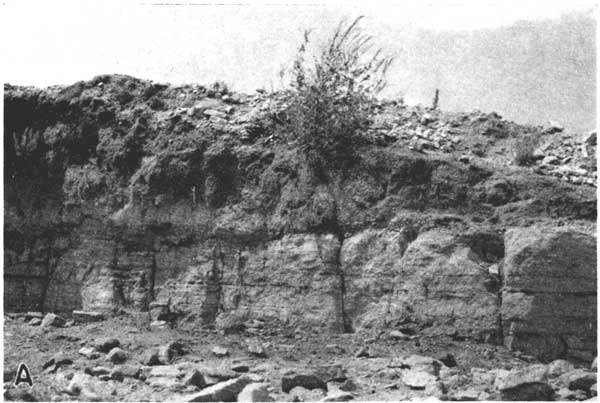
x,y
330,98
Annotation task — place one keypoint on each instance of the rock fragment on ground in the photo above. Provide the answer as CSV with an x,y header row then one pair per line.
x,y
227,391
104,345
89,352
52,319
117,355
87,316
307,381
255,392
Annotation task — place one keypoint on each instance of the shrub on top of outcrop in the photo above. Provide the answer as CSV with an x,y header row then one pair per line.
x,y
523,149
217,88
330,98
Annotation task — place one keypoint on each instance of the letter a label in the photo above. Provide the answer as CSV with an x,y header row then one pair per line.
x,y
23,375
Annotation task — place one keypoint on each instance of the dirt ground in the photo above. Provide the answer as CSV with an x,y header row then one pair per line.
x,y
375,377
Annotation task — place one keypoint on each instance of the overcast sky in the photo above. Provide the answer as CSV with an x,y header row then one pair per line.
x,y
462,47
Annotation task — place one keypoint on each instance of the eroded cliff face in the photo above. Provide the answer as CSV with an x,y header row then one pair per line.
x,y
120,192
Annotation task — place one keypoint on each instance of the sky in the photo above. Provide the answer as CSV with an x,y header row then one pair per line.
x,y
531,61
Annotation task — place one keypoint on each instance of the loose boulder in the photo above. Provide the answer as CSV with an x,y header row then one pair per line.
x,y
151,357
52,319
116,355
307,381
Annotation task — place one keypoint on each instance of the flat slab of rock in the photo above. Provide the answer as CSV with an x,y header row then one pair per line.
x,y
307,381
537,373
87,316
417,379
532,391
398,335
175,377
338,397
217,374
466,395
227,391
129,371
220,351
96,371
89,352
422,363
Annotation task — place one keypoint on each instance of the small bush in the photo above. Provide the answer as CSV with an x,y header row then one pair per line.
x,y
331,97
219,88
523,149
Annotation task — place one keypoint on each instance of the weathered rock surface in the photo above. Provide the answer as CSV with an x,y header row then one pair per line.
x,y
528,375
439,278
89,352
416,379
579,380
123,195
227,391
117,355
87,316
104,345
255,392
220,351
56,362
52,319
549,295
306,381
338,397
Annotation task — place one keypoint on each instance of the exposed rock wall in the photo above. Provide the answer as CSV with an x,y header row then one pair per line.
x,y
549,298
120,192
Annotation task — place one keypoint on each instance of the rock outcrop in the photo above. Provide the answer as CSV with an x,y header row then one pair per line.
x,y
127,194
549,295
